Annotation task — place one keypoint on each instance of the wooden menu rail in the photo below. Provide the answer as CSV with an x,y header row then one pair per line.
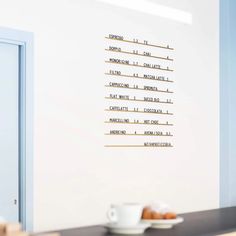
x,y
138,123
146,67
158,90
157,113
140,77
137,100
142,43
139,54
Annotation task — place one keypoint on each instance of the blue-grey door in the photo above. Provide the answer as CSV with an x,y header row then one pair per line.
x,y
9,131
227,103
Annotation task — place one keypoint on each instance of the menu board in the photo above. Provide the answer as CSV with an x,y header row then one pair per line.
x,y
138,81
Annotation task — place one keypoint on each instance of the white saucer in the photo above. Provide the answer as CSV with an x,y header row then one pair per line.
x,y
164,224
119,229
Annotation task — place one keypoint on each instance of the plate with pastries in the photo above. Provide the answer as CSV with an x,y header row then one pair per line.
x,y
160,216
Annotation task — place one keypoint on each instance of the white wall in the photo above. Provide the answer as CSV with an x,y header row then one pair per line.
x,y
75,183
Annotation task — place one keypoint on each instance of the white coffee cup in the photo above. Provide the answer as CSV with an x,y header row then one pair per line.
x,y
126,214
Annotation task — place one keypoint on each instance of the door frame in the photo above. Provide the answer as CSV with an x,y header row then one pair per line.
x,y
227,104
25,42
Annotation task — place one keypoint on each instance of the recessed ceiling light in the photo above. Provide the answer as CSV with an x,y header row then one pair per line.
x,y
153,9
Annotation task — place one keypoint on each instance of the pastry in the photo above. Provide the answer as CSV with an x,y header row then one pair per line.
x,y
170,215
156,215
147,213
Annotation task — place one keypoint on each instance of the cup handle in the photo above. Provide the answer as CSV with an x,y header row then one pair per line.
x,y
111,215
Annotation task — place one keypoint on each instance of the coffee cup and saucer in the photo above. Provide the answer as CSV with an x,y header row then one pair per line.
x,y
125,218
